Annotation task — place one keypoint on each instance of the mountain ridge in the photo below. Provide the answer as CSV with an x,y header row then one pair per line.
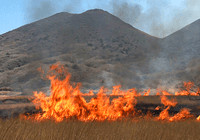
x,y
98,49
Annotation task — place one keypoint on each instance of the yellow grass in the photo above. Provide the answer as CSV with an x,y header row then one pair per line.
x,y
75,130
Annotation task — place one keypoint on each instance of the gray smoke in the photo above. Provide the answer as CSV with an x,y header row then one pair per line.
x,y
156,19
127,12
150,19
38,10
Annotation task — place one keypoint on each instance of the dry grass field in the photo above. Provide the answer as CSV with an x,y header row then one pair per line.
x,y
16,129
137,129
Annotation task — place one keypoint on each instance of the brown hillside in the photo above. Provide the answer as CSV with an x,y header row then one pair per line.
x,y
97,48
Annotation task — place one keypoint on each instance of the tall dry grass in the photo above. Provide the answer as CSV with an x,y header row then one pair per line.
x,y
16,129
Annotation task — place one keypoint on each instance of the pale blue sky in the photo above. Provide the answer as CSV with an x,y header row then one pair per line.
x,y
11,14
156,17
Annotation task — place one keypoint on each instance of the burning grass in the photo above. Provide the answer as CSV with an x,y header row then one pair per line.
x,y
67,101
73,129
70,114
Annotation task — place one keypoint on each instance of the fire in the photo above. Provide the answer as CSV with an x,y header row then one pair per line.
x,y
164,115
147,92
188,90
198,118
183,114
67,101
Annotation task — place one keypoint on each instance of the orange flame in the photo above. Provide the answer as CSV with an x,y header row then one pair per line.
x,y
147,92
188,90
67,101
164,115
183,114
198,118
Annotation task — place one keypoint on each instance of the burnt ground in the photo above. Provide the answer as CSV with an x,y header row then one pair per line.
x,y
14,106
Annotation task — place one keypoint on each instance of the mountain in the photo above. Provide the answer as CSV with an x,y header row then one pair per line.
x,y
186,42
179,55
98,49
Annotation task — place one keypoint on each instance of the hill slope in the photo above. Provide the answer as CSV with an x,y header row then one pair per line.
x,y
179,57
96,47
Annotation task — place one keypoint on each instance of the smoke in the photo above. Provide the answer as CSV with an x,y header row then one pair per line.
x,y
107,79
73,6
127,12
38,10
158,18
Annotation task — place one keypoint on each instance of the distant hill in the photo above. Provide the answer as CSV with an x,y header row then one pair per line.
x,y
185,42
98,49
180,55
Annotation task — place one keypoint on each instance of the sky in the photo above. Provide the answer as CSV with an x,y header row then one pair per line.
x,y
155,17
